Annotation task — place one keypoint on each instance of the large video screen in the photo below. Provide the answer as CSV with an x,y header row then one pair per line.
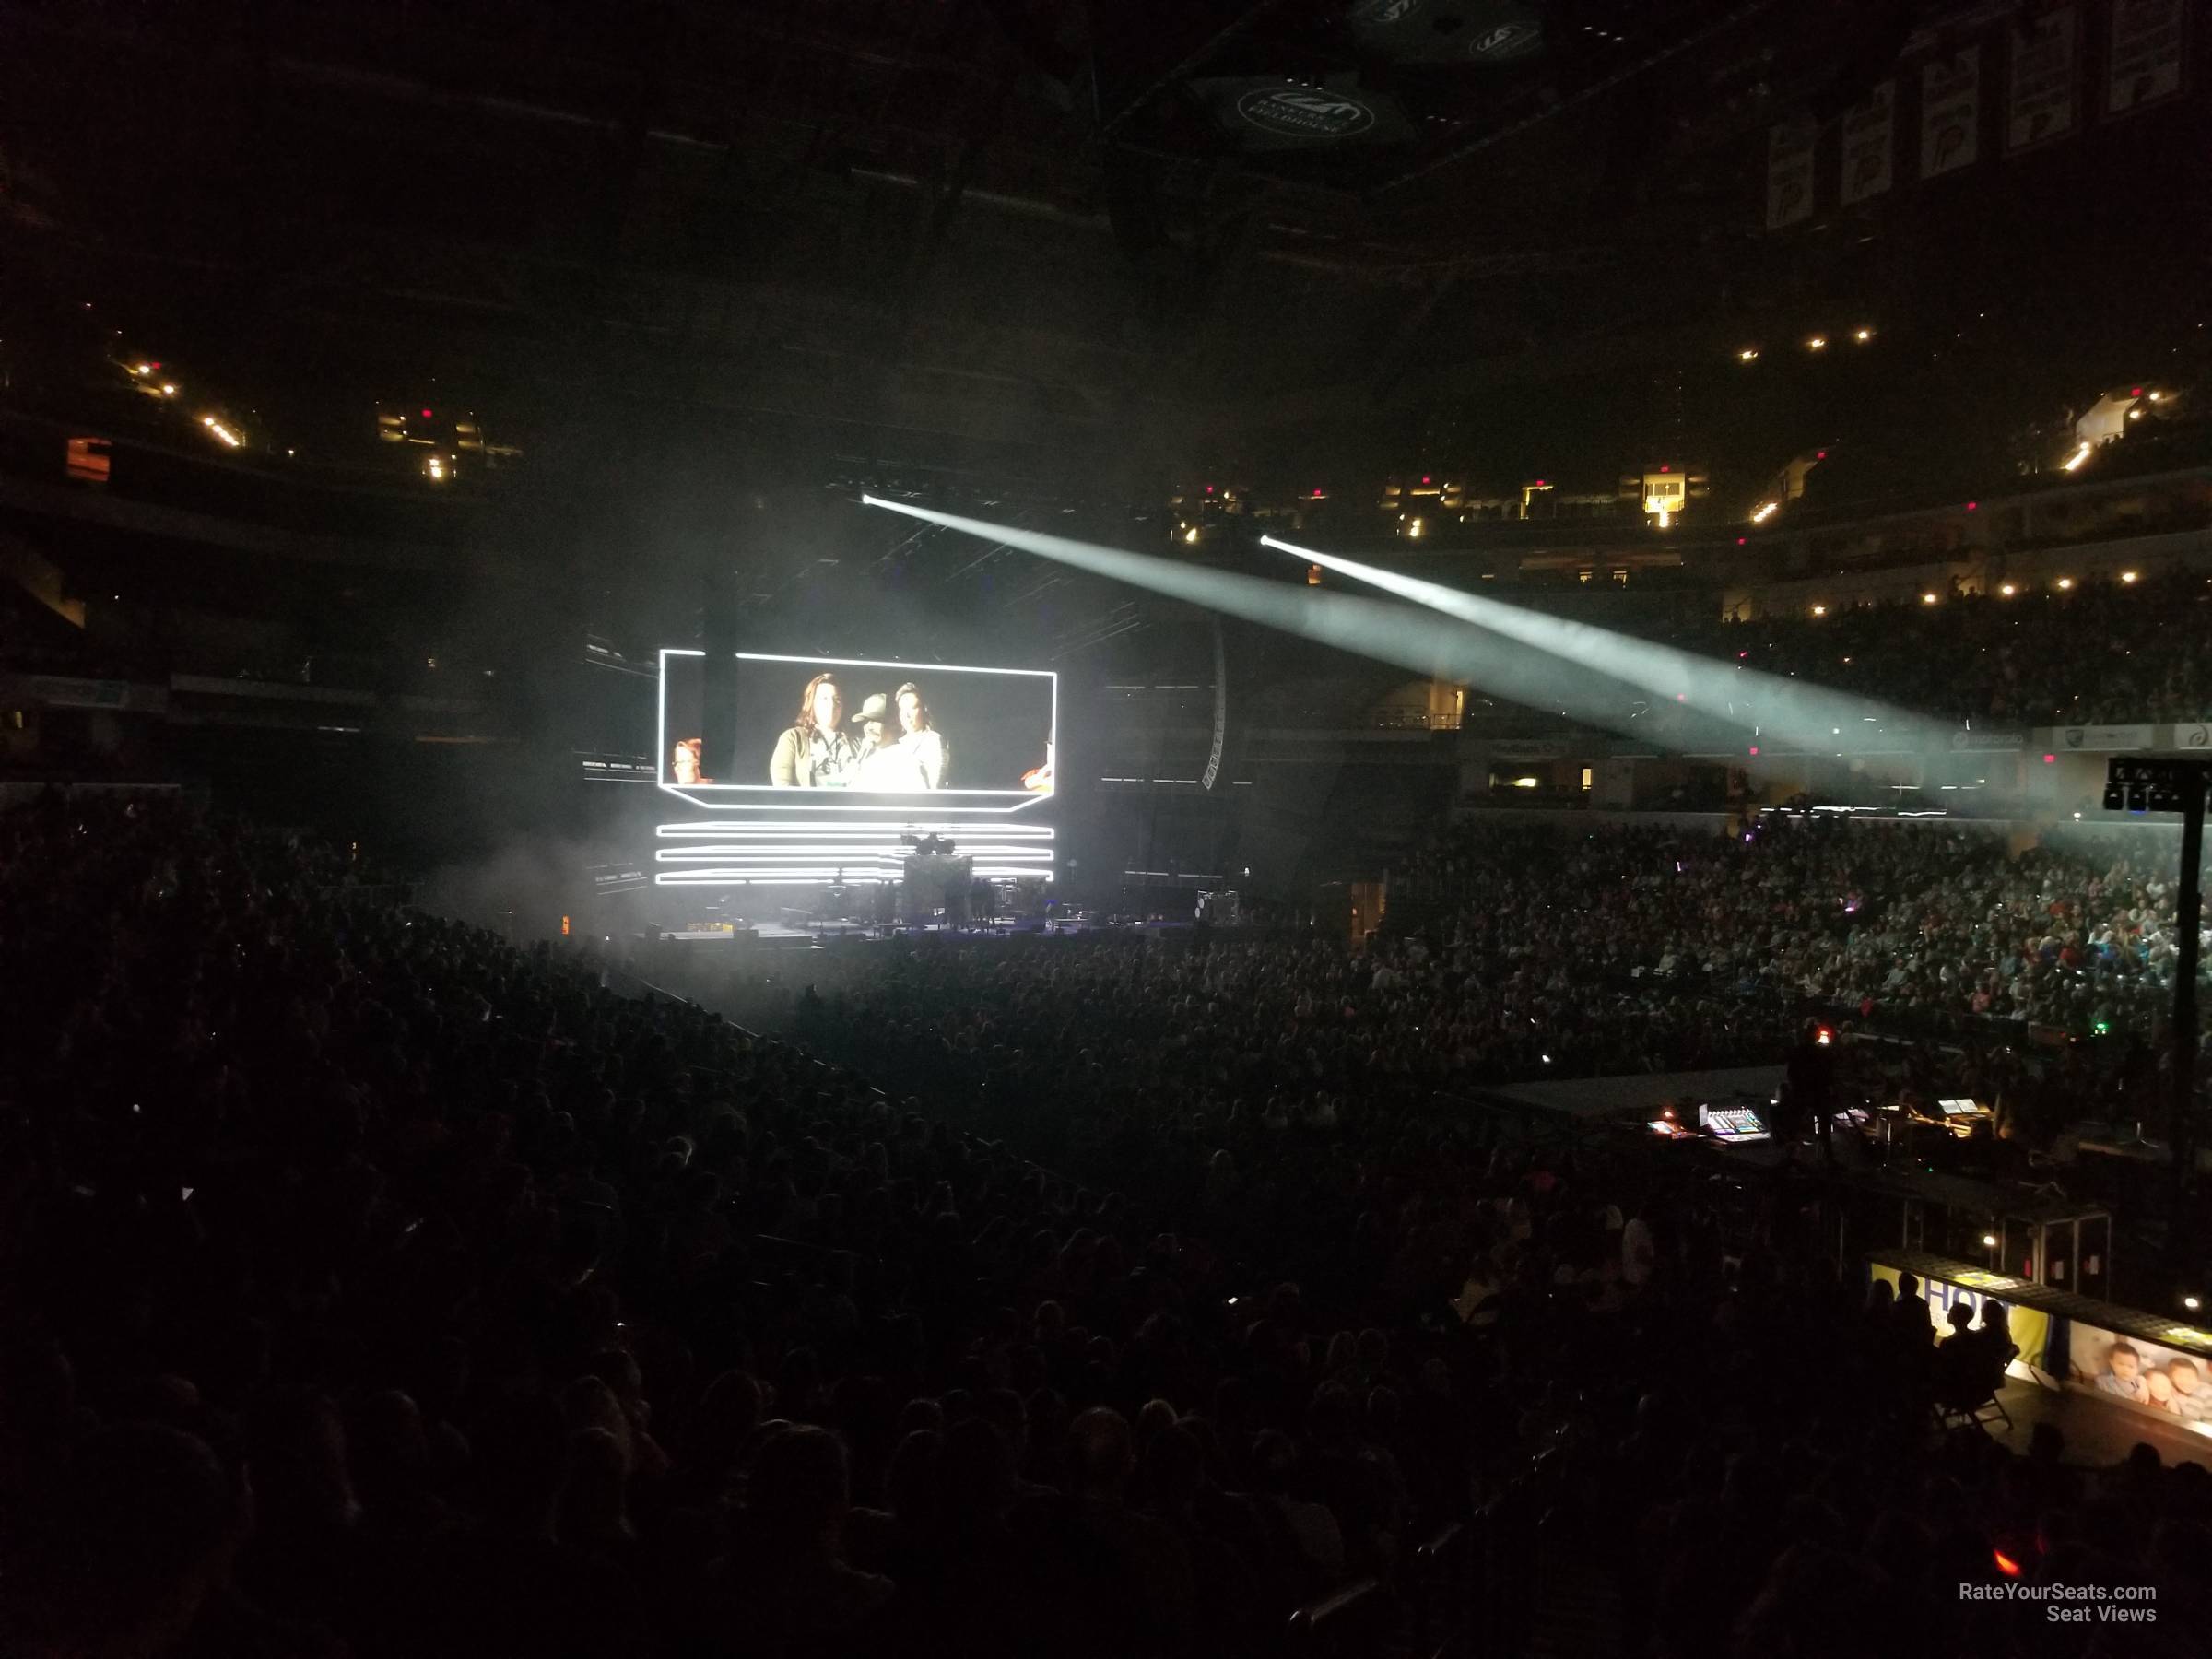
x,y
858,730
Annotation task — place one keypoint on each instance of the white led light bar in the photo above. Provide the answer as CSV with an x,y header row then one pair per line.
x,y
722,854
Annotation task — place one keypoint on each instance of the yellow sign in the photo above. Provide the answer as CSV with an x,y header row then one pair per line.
x,y
2031,1327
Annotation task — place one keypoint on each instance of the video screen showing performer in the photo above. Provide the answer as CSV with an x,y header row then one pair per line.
x,y
862,727
901,729
815,751
901,750
686,761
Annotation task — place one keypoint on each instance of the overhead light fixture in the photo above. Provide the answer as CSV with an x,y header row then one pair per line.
x,y
2127,576
1927,598
1862,335
2006,590
1817,343
2064,582
1749,354
1819,610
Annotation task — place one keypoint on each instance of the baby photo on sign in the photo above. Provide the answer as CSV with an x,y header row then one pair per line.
x,y
2134,1372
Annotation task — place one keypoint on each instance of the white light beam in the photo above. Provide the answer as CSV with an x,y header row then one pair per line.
x,y
1788,712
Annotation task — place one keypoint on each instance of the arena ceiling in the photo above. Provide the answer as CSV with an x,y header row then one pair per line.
x,y
957,233
1037,251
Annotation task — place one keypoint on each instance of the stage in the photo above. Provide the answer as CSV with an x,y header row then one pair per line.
x,y
796,930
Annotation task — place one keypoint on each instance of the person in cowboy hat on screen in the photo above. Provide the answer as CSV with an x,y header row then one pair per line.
x,y
886,764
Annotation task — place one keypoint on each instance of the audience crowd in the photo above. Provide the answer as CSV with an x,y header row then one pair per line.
x,y
2101,653
2095,654
375,1286
1891,918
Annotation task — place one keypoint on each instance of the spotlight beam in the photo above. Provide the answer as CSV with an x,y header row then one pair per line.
x,y
1788,710
1408,636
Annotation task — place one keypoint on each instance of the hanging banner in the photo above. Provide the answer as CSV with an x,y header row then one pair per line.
x,y
1956,23
2146,60
1870,144
2040,106
1790,172
1950,113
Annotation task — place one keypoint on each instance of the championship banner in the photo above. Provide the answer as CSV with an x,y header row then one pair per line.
x,y
1870,144
1790,172
2040,105
2146,58
1950,113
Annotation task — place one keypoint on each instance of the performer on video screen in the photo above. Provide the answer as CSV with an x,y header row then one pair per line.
x,y
932,755
685,763
886,765
900,751
814,752
1039,780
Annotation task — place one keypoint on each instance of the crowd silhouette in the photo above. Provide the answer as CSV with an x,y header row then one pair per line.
x,y
376,1286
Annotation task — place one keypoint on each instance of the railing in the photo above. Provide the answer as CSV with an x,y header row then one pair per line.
x,y
1352,1623
1429,1612
1441,1592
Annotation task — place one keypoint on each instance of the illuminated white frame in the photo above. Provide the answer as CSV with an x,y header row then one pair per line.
x,y
891,806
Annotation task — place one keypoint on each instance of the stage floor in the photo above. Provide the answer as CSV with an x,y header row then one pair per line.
x,y
2098,1435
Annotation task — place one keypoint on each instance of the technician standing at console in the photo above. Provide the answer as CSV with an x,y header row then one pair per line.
x,y
814,752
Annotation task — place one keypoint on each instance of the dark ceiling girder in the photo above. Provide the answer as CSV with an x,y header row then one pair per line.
x,y
1186,69
1598,89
